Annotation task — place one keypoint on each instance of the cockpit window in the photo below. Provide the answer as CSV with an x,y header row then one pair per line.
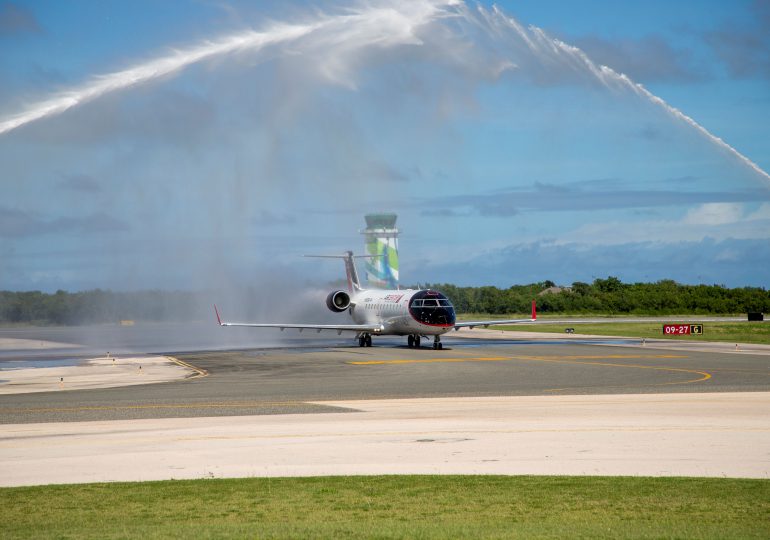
x,y
432,308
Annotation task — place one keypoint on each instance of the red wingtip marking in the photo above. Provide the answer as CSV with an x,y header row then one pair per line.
x,y
534,310
219,321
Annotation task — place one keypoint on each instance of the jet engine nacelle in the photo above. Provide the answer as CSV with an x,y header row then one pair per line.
x,y
338,301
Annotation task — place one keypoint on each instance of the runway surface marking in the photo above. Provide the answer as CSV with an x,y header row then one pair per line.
x,y
704,376
452,435
225,404
200,372
504,358
573,360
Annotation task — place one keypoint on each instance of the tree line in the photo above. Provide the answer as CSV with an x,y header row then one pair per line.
x,y
609,297
602,297
96,306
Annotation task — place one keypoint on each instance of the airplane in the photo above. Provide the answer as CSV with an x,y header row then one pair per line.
x,y
412,313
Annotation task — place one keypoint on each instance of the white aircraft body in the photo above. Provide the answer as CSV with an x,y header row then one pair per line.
x,y
413,313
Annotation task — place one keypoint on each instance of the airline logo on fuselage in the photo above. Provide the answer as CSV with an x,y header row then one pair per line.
x,y
393,298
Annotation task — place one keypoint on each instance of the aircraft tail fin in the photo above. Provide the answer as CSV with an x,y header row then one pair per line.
x,y
354,284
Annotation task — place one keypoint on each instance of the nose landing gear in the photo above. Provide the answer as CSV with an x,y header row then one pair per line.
x,y
437,343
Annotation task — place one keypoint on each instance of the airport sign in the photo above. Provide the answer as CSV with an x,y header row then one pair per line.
x,y
682,329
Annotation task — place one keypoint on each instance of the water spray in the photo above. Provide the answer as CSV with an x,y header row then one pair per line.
x,y
546,47
379,25
374,26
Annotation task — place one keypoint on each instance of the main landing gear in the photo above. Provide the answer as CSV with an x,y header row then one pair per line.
x,y
413,341
365,340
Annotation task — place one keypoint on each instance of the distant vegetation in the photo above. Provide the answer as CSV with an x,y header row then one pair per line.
x,y
604,296
97,306
610,297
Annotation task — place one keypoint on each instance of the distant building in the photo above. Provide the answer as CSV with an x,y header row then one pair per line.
x,y
381,237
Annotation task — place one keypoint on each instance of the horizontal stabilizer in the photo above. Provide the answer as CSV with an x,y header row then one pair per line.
x,y
354,284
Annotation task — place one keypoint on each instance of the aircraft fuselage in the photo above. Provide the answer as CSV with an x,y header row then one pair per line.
x,y
401,313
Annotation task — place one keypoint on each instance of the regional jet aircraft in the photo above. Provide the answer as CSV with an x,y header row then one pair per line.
x,y
413,313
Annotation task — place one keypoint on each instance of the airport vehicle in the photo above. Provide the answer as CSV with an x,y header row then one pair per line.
x,y
416,314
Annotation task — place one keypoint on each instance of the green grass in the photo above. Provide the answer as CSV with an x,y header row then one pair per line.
x,y
730,332
394,507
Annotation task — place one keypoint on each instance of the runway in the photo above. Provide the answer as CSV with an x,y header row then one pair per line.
x,y
292,380
698,434
480,406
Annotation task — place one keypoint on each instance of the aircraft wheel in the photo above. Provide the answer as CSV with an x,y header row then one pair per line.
x,y
410,341
440,345
368,340
417,342
361,341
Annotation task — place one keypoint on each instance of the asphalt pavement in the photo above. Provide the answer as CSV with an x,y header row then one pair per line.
x,y
289,378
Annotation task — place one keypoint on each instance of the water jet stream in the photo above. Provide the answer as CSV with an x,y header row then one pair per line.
x,y
386,25
546,48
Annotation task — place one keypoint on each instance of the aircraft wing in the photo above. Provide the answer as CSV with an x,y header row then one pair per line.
x,y
472,324
339,328
485,324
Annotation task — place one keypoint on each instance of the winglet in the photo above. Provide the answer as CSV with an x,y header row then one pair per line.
x,y
534,311
219,321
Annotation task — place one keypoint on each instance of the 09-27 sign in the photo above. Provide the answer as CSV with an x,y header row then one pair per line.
x,y
682,329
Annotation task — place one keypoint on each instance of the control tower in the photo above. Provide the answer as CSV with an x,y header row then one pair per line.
x,y
381,237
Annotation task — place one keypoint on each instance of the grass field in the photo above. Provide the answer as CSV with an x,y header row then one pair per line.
x,y
394,507
730,332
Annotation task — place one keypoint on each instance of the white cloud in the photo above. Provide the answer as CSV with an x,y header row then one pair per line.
x,y
718,221
714,214
705,261
762,213
728,255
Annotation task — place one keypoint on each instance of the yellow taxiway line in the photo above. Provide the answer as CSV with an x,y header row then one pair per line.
x,y
568,359
575,359
199,372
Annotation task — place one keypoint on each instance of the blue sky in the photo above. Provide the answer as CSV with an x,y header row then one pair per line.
x,y
509,155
